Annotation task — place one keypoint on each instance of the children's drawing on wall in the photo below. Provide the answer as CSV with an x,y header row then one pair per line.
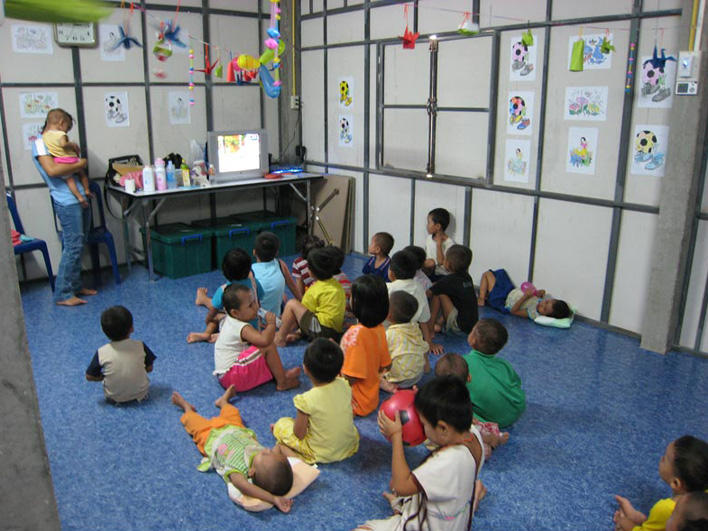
x,y
178,107
37,104
109,43
516,160
585,103
32,38
657,80
649,150
523,60
593,55
520,113
346,92
31,131
115,105
345,130
582,150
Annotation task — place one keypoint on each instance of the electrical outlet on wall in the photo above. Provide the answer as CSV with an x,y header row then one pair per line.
x,y
294,102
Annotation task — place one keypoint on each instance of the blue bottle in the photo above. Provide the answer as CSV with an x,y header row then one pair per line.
x,y
171,181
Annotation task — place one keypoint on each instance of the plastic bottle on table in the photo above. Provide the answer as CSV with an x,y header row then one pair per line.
x,y
185,175
148,179
160,176
171,181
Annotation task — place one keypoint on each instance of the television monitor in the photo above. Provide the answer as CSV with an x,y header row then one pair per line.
x,y
238,155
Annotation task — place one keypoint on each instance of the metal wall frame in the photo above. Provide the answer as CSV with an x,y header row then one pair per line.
x,y
617,204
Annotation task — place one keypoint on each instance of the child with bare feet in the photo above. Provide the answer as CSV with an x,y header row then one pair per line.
x,y
323,430
235,453
321,312
243,356
446,482
456,365
236,267
406,345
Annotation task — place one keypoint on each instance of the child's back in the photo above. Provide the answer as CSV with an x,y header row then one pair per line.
x,y
495,388
268,271
459,288
406,345
402,272
326,298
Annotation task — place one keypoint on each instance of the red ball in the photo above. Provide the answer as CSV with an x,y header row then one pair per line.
x,y
402,402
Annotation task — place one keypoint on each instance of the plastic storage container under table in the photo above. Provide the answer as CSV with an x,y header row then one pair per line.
x,y
228,233
283,227
179,250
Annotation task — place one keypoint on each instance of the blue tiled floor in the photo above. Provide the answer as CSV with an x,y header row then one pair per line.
x,y
600,412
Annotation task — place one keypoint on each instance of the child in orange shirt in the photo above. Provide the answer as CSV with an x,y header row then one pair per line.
x,y
364,345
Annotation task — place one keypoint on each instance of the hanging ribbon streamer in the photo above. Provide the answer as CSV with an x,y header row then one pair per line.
x,y
191,76
630,68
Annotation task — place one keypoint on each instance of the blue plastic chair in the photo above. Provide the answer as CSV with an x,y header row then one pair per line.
x,y
100,234
34,245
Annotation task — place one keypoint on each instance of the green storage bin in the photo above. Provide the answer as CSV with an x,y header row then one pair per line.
x,y
179,250
231,235
283,227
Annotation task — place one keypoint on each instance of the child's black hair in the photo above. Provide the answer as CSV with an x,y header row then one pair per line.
x,y
419,254
339,256
231,297
452,364
323,263
323,359
561,310
491,336
266,246
116,323
236,264
370,300
403,265
691,462
445,398
695,511
440,216
278,478
309,242
402,306
385,242
459,257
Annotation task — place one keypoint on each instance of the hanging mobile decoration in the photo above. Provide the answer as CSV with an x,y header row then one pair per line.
x,y
408,36
630,68
271,84
606,45
191,76
527,37
125,40
219,70
208,67
467,27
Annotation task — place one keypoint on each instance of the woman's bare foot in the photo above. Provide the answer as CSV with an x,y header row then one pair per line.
x,y
224,399
178,400
71,301
291,380
87,292
202,297
196,337
480,492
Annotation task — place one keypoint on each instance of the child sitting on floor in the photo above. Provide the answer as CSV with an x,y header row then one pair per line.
x,y
272,272
495,388
300,270
690,513
406,346
437,243
122,365
497,290
442,492
323,430
684,467
454,294
455,365
381,244
364,344
236,267
238,457
243,356
321,312
421,277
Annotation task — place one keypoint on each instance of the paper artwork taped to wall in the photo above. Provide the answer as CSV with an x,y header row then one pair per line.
x,y
655,84
516,160
648,150
522,64
178,107
593,56
520,118
115,105
32,38
582,150
345,123
37,104
346,92
109,43
586,103
31,131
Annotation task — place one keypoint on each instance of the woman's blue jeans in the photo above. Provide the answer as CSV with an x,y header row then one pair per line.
x,y
75,224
